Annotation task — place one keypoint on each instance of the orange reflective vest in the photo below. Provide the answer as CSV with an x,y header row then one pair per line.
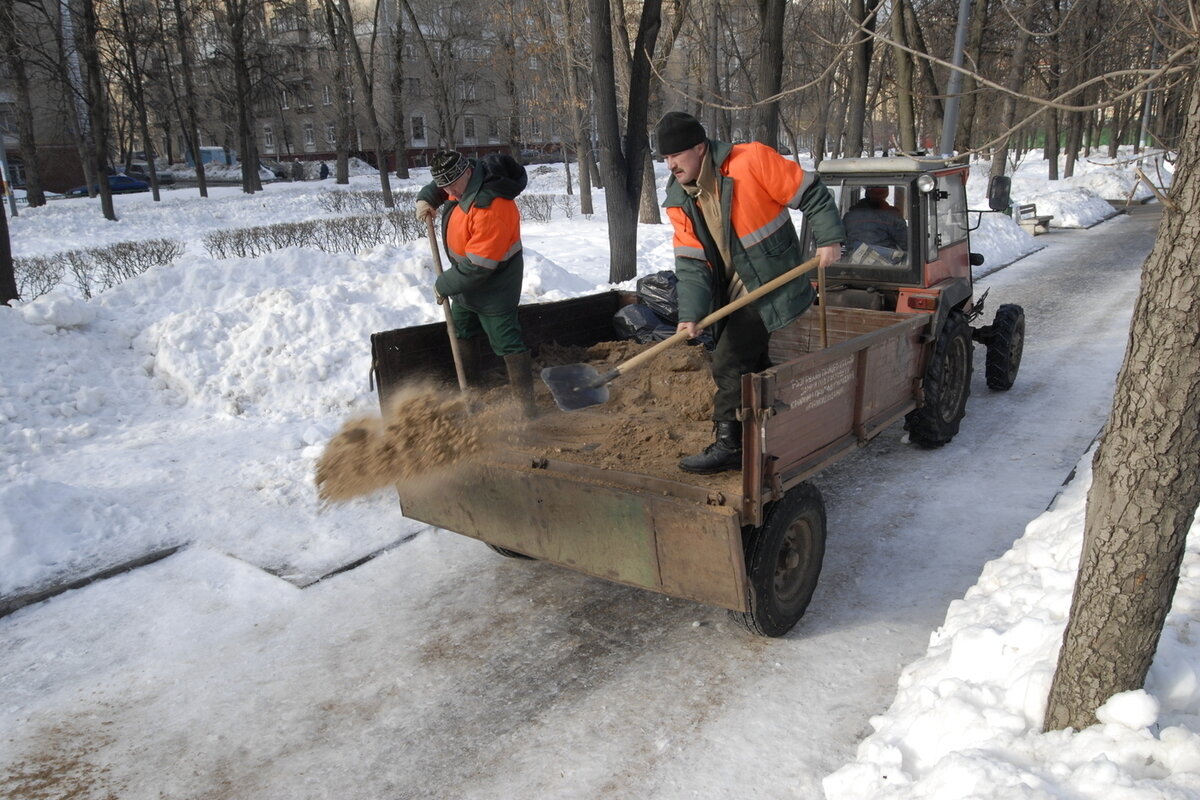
x,y
757,187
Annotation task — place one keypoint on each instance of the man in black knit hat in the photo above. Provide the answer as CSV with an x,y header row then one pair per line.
x,y
733,233
481,231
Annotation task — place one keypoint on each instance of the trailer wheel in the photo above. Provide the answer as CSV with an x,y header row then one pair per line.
x,y
1004,347
946,384
504,551
783,562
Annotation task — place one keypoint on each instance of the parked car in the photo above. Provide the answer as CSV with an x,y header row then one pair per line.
x,y
119,184
276,169
141,172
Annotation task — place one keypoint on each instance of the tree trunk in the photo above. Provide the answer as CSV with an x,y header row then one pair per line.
x,y
974,48
862,12
398,105
648,212
366,84
906,122
576,101
8,277
916,38
1146,473
34,193
1016,78
238,16
622,166
188,122
138,97
343,123
764,120
97,101
1051,151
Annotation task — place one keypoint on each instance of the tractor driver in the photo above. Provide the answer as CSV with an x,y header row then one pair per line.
x,y
877,223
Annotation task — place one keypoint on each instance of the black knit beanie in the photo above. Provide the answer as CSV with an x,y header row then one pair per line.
x,y
677,132
448,166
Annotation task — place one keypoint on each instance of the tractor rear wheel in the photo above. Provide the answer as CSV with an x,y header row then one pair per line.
x,y
1004,347
783,562
946,385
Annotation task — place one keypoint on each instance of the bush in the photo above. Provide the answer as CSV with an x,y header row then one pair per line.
x,y
536,207
94,269
336,235
36,275
363,202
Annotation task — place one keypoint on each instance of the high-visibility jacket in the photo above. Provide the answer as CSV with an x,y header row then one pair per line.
x,y
757,187
482,237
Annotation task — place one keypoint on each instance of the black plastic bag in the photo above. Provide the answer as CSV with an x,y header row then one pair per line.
x,y
658,292
641,324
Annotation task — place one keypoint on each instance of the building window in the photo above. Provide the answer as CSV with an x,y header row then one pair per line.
x,y
285,99
418,129
412,87
310,138
493,128
268,138
322,59
326,96
469,128
466,89
331,133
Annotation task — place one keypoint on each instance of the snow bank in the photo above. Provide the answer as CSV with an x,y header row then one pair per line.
x,y
966,721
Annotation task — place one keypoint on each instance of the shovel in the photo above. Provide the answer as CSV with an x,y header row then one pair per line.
x,y
577,386
454,350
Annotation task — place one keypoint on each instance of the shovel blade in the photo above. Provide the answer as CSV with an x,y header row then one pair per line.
x,y
575,386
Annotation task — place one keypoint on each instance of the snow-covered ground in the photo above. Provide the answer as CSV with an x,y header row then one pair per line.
x,y
187,406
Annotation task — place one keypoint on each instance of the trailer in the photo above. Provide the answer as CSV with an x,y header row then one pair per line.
x,y
751,542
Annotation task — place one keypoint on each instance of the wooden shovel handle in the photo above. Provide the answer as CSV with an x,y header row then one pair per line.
x,y
720,313
454,349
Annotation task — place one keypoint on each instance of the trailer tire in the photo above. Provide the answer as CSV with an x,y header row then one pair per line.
x,y
504,551
946,385
783,562
1004,347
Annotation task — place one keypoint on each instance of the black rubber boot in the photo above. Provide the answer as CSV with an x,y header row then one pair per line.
x,y
468,351
520,378
723,454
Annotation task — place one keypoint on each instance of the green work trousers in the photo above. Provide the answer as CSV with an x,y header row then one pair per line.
x,y
741,348
503,330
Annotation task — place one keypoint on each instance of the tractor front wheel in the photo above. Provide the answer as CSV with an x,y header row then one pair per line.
x,y
946,385
1004,347
783,562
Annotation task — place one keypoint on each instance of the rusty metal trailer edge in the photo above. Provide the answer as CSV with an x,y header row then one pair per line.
x,y
672,537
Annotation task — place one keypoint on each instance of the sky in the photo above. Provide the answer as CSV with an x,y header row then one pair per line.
x,y
186,408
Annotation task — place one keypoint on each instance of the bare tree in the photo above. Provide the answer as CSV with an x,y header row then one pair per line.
x,y
621,161
187,115
8,278
366,83
96,96
12,56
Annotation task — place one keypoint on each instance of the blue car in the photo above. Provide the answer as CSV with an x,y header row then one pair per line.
x,y
119,184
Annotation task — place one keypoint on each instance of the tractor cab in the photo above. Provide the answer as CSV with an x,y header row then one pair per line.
x,y
908,250
907,234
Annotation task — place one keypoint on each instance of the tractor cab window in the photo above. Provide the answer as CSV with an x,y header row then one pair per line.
x,y
951,209
877,227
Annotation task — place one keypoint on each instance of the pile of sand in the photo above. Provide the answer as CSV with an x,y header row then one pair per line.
x,y
655,415
425,429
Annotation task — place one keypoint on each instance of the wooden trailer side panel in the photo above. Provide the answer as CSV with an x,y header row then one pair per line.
x,y
640,538
821,405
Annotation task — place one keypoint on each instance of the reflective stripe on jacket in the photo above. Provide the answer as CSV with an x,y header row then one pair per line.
x,y
757,187
482,236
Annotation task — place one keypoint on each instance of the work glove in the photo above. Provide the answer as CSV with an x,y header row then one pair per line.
x,y
440,299
424,211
